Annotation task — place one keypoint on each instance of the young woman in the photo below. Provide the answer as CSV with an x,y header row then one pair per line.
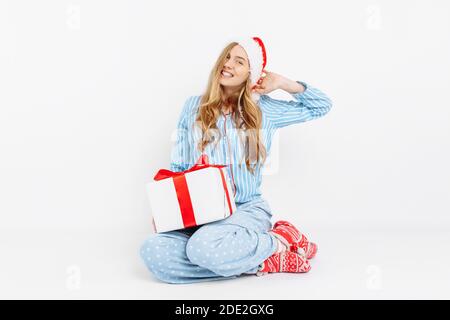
x,y
233,123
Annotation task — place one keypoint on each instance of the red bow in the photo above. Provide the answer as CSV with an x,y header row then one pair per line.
x,y
181,187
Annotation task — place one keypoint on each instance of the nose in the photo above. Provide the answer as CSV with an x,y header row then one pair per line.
x,y
228,65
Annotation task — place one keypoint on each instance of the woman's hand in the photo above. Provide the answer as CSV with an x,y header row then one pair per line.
x,y
270,81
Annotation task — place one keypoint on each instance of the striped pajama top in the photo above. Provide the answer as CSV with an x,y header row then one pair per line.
x,y
229,149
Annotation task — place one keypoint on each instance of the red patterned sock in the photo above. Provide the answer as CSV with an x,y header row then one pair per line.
x,y
294,239
312,250
282,244
285,261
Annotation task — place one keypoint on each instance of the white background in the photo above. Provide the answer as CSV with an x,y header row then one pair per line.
x,y
90,92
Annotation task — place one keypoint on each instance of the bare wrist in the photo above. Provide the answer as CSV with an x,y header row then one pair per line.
x,y
291,86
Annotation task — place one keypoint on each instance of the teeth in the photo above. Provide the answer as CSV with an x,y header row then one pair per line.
x,y
227,74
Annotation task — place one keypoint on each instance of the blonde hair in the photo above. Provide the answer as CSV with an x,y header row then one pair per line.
x,y
247,115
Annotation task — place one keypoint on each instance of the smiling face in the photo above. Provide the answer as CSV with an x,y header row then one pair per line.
x,y
236,68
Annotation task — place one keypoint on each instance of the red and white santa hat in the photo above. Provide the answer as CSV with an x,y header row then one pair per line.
x,y
256,52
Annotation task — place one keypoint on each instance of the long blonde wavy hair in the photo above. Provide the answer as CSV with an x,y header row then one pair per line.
x,y
247,114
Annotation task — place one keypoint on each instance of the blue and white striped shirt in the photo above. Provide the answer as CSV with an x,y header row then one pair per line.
x,y
308,105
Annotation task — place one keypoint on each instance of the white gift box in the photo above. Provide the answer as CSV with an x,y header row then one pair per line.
x,y
190,198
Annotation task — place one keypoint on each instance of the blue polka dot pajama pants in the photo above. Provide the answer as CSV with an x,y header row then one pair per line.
x,y
218,250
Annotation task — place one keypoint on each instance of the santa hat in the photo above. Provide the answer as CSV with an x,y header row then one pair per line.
x,y
256,52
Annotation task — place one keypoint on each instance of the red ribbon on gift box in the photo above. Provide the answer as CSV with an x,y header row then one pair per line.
x,y
181,187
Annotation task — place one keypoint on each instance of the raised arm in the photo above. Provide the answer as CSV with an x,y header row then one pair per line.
x,y
310,103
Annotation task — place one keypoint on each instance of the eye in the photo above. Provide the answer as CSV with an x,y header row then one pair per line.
x,y
241,62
